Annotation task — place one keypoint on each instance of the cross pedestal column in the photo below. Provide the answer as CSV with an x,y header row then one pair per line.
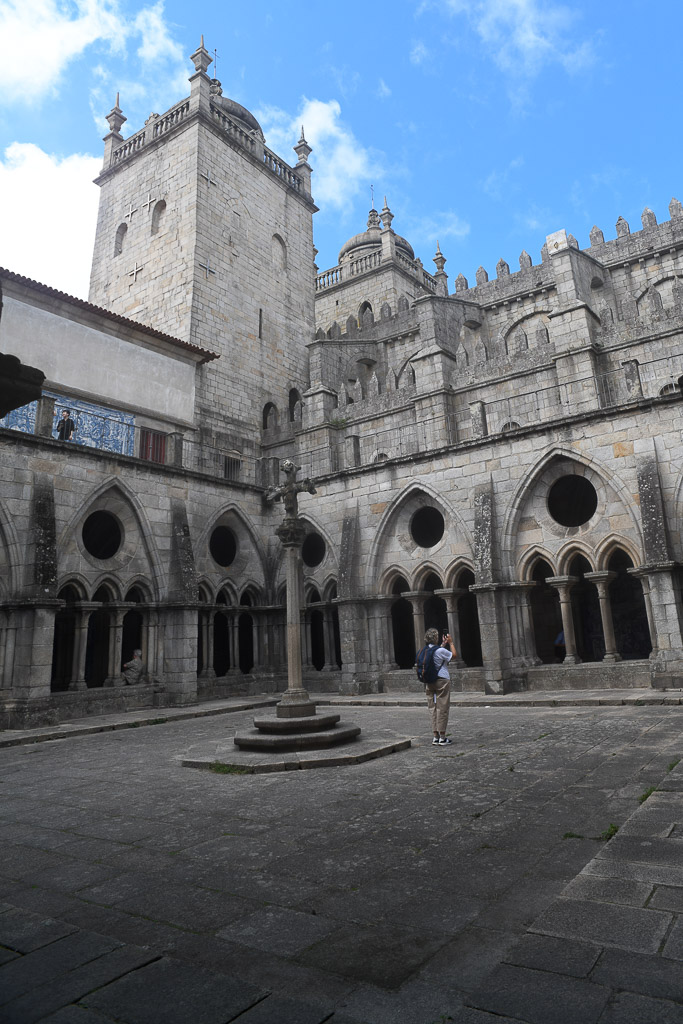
x,y
295,702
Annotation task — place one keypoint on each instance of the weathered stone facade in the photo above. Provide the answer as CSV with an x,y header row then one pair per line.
x,y
502,460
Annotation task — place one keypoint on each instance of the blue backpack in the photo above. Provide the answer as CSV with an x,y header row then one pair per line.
x,y
427,671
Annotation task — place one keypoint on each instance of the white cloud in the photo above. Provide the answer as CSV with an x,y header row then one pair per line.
x,y
523,35
383,89
419,53
48,212
439,226
155,43
39,39
497,184
341,164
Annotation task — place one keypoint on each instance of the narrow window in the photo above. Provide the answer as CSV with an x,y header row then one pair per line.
x,y
118,241
158,216
152,446
260,323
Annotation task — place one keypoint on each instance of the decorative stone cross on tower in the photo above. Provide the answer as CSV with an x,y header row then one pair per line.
x,y
295,702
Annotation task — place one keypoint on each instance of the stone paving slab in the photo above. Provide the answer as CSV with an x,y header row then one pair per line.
x,y
91,725
623,935
412,890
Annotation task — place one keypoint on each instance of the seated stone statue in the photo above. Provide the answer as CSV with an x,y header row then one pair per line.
x,y
134,670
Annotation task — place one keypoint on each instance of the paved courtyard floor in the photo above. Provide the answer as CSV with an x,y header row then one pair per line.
x,y
427,886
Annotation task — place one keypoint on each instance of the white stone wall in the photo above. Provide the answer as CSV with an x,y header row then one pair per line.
x,y
99,361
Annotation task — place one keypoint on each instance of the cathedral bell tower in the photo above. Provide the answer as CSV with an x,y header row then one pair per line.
x,y
205,234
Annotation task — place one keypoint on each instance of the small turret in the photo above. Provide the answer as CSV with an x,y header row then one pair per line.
x,y
303,168
115,119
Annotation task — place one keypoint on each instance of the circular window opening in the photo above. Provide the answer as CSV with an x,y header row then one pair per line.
x,y
223,546
102,535
572,500
427,526
313,550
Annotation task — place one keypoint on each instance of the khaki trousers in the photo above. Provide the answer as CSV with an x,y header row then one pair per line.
x,y
439,709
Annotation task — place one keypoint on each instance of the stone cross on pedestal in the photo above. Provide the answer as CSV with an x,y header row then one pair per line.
x,y
295,702
295,724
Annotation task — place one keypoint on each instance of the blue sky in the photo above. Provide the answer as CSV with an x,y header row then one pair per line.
x,y
487,123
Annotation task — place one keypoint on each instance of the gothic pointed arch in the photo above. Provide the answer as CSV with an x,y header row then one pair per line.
x,y
455,568
394,545
421,578
571,552
529,560
135,554
76,583
531,519
229,542
615,542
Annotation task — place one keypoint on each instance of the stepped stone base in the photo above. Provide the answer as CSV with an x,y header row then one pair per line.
x,y
296,726
316,723
256,740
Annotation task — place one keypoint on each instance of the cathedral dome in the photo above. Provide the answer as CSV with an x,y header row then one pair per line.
x,y
239,113
370,240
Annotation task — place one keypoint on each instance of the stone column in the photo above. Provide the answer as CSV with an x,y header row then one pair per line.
x,y
306,636
256,638
647,597
8,655
602,581
328,638
451,597
563,585
666,632
234,629
77,681
150,649
114,677
379,616
204,624
295,701
417,599
209,672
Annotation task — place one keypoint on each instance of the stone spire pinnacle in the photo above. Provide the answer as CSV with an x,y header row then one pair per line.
x,y
386,215
302,149
440,260
115,118
201,58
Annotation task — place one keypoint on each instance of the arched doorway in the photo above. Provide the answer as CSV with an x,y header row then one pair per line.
x,y
435,610
245,633
629,617
64,640
97,646
402,626
468,621
545,614
590,640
